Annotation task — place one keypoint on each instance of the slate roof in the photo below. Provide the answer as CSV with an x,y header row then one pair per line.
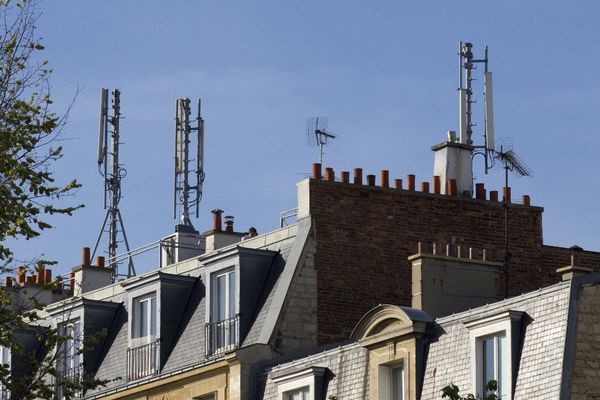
x,y
347,376
189,345
542,351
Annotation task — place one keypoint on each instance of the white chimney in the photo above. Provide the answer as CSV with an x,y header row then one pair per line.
x,y
454,160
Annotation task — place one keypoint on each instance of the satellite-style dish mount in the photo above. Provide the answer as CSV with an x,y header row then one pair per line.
x,y
188,181
112,181
317,134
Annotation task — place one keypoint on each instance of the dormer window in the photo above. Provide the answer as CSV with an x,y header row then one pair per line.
x,y
144,318
493,350
223,329
233,279
143,354
69,364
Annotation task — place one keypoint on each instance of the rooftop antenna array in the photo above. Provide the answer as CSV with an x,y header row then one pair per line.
x,y
109,126
316,131
188,181
465,121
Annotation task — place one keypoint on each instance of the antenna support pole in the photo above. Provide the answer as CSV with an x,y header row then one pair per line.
x,y
187,194
112,181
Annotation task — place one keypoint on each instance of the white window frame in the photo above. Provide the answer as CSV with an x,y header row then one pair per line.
x,y
385,382
305,390
4,392
152,309
72,356
288,384
231,274
485,328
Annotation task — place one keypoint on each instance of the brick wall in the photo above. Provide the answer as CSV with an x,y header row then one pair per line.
x,y
364,235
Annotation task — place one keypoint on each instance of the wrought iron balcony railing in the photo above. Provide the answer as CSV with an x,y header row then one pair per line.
x,y
68,380
143,361
222,336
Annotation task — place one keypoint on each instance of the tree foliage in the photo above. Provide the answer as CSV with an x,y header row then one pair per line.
x,y
452,392
28,195
28,131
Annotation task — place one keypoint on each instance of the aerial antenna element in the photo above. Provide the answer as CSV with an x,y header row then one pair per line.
x,y
316,131
187,191
112,172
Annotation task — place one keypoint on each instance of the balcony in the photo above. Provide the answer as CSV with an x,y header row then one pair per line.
x,y
222,336
67,383
143,361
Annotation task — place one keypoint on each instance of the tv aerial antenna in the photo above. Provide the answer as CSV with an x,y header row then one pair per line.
x,y
109,126
511,163
317,134
187,191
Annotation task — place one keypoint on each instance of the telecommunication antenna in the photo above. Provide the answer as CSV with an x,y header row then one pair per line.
x,y
187,191
465,121
511,163
316,131
109,126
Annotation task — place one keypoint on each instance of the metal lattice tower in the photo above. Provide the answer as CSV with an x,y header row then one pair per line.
x,y
112,181
188,181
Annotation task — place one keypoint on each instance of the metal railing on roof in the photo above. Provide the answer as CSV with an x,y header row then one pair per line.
x,y
286,216
64,381
143,361
222,336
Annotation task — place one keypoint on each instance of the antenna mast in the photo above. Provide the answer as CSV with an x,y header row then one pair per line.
x,y
186,195
112,180
317,126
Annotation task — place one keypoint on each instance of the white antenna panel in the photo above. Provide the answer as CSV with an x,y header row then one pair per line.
x,y
462,115
102,131
179,145
489,112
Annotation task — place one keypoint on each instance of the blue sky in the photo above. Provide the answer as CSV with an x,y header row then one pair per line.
x,y
385,73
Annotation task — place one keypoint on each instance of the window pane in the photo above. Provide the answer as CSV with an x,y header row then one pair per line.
x,y
488,362
397,383
143,323
231,294
76,344
5,355
222,293
153,312
501,383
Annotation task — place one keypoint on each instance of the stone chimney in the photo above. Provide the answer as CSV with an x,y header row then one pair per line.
x,y
450,279
574,269
217,238
87,277
453,160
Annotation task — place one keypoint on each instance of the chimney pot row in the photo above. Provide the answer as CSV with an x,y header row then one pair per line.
x,y
385,178
85,259
358,176
329,174
345,176
435,187
370,180
506,194
229,223
217,219
453,250
316,171
410,182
